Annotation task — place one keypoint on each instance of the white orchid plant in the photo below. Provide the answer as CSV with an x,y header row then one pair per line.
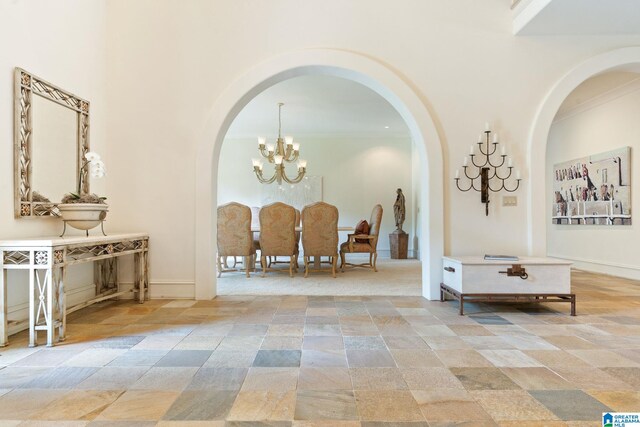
x,y
95,166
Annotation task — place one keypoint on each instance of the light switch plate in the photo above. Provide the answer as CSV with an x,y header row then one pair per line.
x,y
509,200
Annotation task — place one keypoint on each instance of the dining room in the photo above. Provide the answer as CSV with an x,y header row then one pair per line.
x,y
350,150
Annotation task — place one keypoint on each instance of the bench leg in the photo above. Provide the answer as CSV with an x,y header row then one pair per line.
x,y
573,304
461,304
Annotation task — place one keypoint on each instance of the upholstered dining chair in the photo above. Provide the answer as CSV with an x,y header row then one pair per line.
x,y
320,234
364,243
234,236
277,234
274,260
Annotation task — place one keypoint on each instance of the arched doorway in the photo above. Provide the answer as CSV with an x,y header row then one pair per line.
x,y
348,65
540,133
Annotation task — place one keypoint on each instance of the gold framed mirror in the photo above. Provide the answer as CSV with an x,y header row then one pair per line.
x,y
51,137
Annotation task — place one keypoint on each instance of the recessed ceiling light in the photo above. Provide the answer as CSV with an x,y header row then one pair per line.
x,y
386,127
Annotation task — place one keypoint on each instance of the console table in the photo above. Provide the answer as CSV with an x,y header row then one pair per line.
x,y
47,258
529,279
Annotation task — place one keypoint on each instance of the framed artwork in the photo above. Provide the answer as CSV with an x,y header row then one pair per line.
x,y
594,189
307,191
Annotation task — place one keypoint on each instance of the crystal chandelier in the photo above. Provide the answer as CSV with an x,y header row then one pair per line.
x,y
285,150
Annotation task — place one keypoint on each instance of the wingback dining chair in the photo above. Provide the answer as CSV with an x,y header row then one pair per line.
x,y
320,234
364,243
274,260
234,236
277,234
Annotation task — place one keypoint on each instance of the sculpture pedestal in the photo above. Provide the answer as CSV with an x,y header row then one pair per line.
x,y
399,244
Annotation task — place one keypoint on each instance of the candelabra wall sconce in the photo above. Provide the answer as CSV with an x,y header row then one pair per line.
x,y
490,171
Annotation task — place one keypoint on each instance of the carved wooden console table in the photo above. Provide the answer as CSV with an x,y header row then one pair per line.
x,y
47,259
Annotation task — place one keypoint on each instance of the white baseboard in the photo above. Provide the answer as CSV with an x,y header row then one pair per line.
x,y
626,271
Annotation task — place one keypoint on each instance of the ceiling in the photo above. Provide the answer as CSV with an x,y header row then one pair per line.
x,y
319,106
598,89
587,17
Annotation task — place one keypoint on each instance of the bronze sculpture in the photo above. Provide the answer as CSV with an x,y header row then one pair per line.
x,y
399,210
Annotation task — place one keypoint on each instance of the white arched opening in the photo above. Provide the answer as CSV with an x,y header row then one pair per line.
x,y
538,216
351,66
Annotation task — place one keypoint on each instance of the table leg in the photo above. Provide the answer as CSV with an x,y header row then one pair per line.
x,y
573,304
140,274
461,304
32,306
4,334
48,283
62,302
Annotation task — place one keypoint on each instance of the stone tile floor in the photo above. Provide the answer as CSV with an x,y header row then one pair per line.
x,y
334,361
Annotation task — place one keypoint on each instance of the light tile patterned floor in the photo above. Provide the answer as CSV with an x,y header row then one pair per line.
x,y
336,361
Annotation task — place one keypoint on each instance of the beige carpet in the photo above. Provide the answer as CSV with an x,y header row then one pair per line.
x,y
394,277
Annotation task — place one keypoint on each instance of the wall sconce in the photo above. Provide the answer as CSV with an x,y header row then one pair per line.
x,y
488,172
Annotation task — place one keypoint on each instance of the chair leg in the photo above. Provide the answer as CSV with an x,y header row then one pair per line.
x,y
375,258
342,262
291,266
218,261
263,264
334,263
370,259
247,263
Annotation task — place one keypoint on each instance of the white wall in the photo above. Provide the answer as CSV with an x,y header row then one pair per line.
x,y
607,249
357,174
165,69
63,42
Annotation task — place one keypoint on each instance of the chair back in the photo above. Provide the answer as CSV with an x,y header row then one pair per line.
x,y
234,230
374,224
277,229
320,230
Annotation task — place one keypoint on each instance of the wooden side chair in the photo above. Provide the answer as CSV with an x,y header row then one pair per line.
x,y
320,234
234,236
364,243
277,234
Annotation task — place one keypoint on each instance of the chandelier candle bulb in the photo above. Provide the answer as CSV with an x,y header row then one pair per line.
x,y
510,163
288,140
457,173
465,161
262,141
471,149
278,159
486,127
479,139
504,151
495,138
518,175
302,164
296,146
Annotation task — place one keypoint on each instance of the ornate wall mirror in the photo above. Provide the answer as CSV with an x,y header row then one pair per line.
x,y
51,137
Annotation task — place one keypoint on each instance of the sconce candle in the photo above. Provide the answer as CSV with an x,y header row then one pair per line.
x,y
491,173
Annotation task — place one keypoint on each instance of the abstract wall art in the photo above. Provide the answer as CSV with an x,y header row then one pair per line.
x,y
593,190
